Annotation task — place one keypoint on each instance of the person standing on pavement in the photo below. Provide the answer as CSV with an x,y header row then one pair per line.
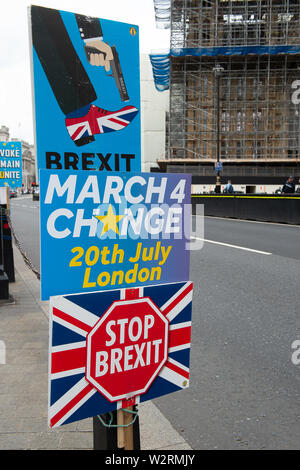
x,y
228,188
289,186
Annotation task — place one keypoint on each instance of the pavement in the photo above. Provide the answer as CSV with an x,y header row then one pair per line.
x,y
24,339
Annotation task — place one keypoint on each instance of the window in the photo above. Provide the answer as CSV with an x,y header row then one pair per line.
x,y
225,124
238,149
256,151
256,120
257,88
241,119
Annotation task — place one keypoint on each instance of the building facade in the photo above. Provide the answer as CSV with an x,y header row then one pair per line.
x,y
154,109
247,115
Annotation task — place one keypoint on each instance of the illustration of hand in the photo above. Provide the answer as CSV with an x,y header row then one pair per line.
x,y
98,53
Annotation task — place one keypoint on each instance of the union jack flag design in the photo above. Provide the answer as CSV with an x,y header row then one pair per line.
x,y
71,396
92,120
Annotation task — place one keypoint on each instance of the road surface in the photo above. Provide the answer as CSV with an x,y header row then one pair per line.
x,y
245,390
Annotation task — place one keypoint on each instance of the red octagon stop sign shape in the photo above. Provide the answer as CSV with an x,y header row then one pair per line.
x,y
127,348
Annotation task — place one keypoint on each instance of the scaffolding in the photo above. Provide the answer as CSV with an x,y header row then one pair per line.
x,y
259,87
204,23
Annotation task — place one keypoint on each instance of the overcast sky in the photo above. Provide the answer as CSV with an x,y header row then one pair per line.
x,y
15,84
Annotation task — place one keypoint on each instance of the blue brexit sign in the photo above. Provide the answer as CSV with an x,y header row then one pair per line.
x,y
86,91
218,166
117,348
10,164
112,230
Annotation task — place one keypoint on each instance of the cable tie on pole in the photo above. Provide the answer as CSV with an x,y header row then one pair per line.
x,y
110,425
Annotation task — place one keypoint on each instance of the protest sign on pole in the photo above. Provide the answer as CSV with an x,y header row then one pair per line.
x,y
112,230
113,349
11,164
86,82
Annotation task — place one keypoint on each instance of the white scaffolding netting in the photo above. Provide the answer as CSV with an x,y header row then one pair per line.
x,y
162,10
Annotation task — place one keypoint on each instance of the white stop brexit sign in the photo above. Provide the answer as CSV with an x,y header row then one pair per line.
x,y
127,348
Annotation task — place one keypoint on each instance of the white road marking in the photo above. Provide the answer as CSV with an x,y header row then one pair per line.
x,y
247,221
18,206
234,246
20,198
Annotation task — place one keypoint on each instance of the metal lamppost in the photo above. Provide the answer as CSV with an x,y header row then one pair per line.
x,y
218,70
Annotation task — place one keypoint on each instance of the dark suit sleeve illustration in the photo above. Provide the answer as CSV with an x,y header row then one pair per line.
x,y
100,53
97,51
65,73
89,28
